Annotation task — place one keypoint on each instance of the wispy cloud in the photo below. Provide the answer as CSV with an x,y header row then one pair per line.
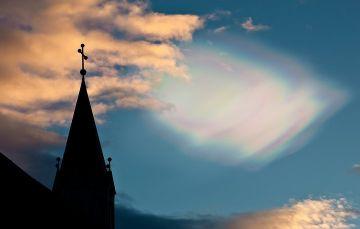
x,y
218,14
249,26
130,218
220,29
356,168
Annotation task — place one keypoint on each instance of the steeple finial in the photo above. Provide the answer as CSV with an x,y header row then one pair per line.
x,y
83,57
108,166
58,163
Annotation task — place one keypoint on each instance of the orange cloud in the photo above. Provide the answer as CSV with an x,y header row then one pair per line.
x,y
314,214
158,26
39,66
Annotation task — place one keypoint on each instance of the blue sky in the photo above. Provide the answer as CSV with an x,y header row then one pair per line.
x,y
181,140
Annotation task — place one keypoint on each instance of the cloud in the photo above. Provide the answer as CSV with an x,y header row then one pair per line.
x,y
356,168
156,26
220,29
218,14
317,214
39,64
302,2
314,214
27,145
17,136
249,26
239,111
133,219
39,67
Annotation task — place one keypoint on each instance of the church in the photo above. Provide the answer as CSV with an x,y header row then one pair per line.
x,y
83,192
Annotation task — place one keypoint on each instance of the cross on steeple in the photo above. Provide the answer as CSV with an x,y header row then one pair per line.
x,y
83,57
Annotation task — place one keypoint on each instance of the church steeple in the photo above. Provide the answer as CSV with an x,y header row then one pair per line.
x,y
83,154
83,180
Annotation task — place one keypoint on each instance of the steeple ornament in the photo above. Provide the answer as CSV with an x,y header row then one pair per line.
x,y
58,163
108,166
83,57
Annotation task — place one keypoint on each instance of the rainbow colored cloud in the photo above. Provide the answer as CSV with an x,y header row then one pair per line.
x,y
249,107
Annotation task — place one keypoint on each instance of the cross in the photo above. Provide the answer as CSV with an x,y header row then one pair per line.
x,y
83,57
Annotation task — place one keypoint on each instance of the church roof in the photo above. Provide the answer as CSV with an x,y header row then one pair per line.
x,y
23,199
26,203
83,158
14,178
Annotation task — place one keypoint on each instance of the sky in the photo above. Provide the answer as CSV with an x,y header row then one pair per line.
x,y
238,114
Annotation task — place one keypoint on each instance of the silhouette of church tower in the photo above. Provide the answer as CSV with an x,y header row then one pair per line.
x,y
83,182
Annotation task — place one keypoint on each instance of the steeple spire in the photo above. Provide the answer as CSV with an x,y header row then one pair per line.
x,y
83,180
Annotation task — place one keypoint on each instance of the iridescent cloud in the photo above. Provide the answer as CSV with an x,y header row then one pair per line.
x,y
247,108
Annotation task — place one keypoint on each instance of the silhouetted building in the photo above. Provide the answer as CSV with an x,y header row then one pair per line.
x,y
83,191
24,202
83,181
